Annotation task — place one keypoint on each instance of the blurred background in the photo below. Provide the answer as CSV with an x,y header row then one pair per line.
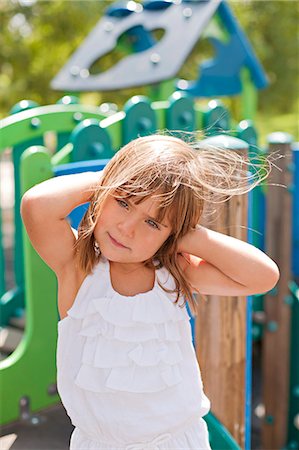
x,y
38,37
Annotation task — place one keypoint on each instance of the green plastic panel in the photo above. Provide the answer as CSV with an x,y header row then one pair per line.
x,y
26,125
31,369
2,260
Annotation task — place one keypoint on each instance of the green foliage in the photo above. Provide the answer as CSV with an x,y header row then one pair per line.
x,y
38,37
36,42
272,29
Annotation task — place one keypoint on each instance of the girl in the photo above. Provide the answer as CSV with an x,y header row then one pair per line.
x,y
127,371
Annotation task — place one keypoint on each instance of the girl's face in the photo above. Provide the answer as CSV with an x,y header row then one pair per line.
x,y
127,232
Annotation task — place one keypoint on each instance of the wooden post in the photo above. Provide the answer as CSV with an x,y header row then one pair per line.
x,y
276,342
221,324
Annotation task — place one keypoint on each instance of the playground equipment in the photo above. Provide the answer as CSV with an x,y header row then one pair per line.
x,y
133,27
88,136
41,316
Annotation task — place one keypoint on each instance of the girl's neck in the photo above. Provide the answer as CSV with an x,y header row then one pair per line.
x,y
126,268
131,279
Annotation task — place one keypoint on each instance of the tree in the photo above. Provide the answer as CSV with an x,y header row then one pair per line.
x,y
38,37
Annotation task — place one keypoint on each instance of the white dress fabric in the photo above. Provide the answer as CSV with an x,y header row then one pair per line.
x,y
127,372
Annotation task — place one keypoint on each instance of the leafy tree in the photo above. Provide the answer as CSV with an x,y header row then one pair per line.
x,y
37,38
36,41
272,28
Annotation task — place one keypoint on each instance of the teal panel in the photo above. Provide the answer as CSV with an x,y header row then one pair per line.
x,y
216,118
247,132
64,138
180,114
90,141
140,119
220,438
293,413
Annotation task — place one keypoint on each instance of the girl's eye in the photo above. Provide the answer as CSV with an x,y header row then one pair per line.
x,y
122,203
153,224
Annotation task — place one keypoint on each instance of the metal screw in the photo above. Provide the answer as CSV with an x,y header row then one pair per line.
x,y
52,389
269,419
77,117
35,122
187,13
155,58
296,391
84,73
288,299
108,26
74,71
272,326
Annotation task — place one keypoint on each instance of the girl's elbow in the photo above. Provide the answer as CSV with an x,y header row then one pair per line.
x,y
271,277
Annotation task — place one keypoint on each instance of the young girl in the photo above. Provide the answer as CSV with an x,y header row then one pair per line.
x,y
127,371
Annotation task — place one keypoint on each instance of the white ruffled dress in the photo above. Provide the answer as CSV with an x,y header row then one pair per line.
x,y
127,372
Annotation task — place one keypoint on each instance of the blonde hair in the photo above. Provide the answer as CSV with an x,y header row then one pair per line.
x,y
183,176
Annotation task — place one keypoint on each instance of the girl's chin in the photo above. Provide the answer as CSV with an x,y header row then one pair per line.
x,y
122,259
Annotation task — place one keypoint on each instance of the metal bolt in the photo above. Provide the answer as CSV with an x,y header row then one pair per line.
x,y
108,26
52,389
259,316
144,124
96,149
187,13
288,299
296,391
77,117
272,326
74,71
155,58
25,414
273,292
186,117
84,73
35,122
269,419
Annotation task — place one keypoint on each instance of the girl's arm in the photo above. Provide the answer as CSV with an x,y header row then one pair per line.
x,y
217,264
44,209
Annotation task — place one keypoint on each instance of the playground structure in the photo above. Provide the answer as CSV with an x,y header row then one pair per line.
x,y
86,137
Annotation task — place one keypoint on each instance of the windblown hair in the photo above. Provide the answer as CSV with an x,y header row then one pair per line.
x,y
184,177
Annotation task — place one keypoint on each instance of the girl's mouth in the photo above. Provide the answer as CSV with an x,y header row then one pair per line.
x,y
116,243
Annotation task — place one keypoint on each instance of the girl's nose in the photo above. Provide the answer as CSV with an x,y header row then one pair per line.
x,y
127,227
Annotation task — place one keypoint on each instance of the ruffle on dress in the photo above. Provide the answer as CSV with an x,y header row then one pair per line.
x,y
132,344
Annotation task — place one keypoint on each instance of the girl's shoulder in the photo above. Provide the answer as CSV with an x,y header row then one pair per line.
x,y
165,278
